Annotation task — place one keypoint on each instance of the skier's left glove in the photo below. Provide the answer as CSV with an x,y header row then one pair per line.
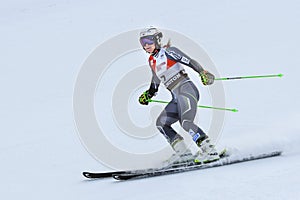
x,y
207,78
145,97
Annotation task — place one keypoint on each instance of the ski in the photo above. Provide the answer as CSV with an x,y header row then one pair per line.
x,y
223,161
99,175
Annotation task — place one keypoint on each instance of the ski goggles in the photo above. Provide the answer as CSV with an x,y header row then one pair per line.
x,y
147,40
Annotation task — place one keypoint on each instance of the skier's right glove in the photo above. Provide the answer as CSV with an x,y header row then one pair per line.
x,y
207,78
145,97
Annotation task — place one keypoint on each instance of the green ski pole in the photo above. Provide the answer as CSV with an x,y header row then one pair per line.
x,y
199,106
247,77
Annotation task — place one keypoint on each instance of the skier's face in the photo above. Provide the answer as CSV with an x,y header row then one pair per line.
x,y
148,43
149,48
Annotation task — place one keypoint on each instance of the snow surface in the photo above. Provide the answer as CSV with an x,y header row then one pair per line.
x,y
44,43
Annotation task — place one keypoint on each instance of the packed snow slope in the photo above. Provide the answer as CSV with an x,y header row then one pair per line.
x,y
44,43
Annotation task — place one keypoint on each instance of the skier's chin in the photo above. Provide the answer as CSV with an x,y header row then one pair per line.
x,y
149,50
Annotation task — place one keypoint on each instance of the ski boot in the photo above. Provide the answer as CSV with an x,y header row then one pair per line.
x,y
182,153
207,152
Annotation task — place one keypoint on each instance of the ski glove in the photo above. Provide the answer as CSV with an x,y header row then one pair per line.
x,y
145,97
207,78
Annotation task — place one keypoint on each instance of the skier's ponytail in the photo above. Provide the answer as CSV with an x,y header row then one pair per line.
x,y
168,44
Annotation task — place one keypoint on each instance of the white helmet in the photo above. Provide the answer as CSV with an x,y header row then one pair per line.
x,y
151,35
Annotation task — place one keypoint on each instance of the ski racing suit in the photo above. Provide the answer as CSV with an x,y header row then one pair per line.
x,y
167,69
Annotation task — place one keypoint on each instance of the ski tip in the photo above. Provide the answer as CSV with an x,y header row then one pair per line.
x,y
86,174
117,177
125,177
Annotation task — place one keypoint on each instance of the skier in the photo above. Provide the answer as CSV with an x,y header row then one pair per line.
x,y
165,63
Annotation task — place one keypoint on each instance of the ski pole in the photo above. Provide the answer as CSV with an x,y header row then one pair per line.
x,y
247,77
199,106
